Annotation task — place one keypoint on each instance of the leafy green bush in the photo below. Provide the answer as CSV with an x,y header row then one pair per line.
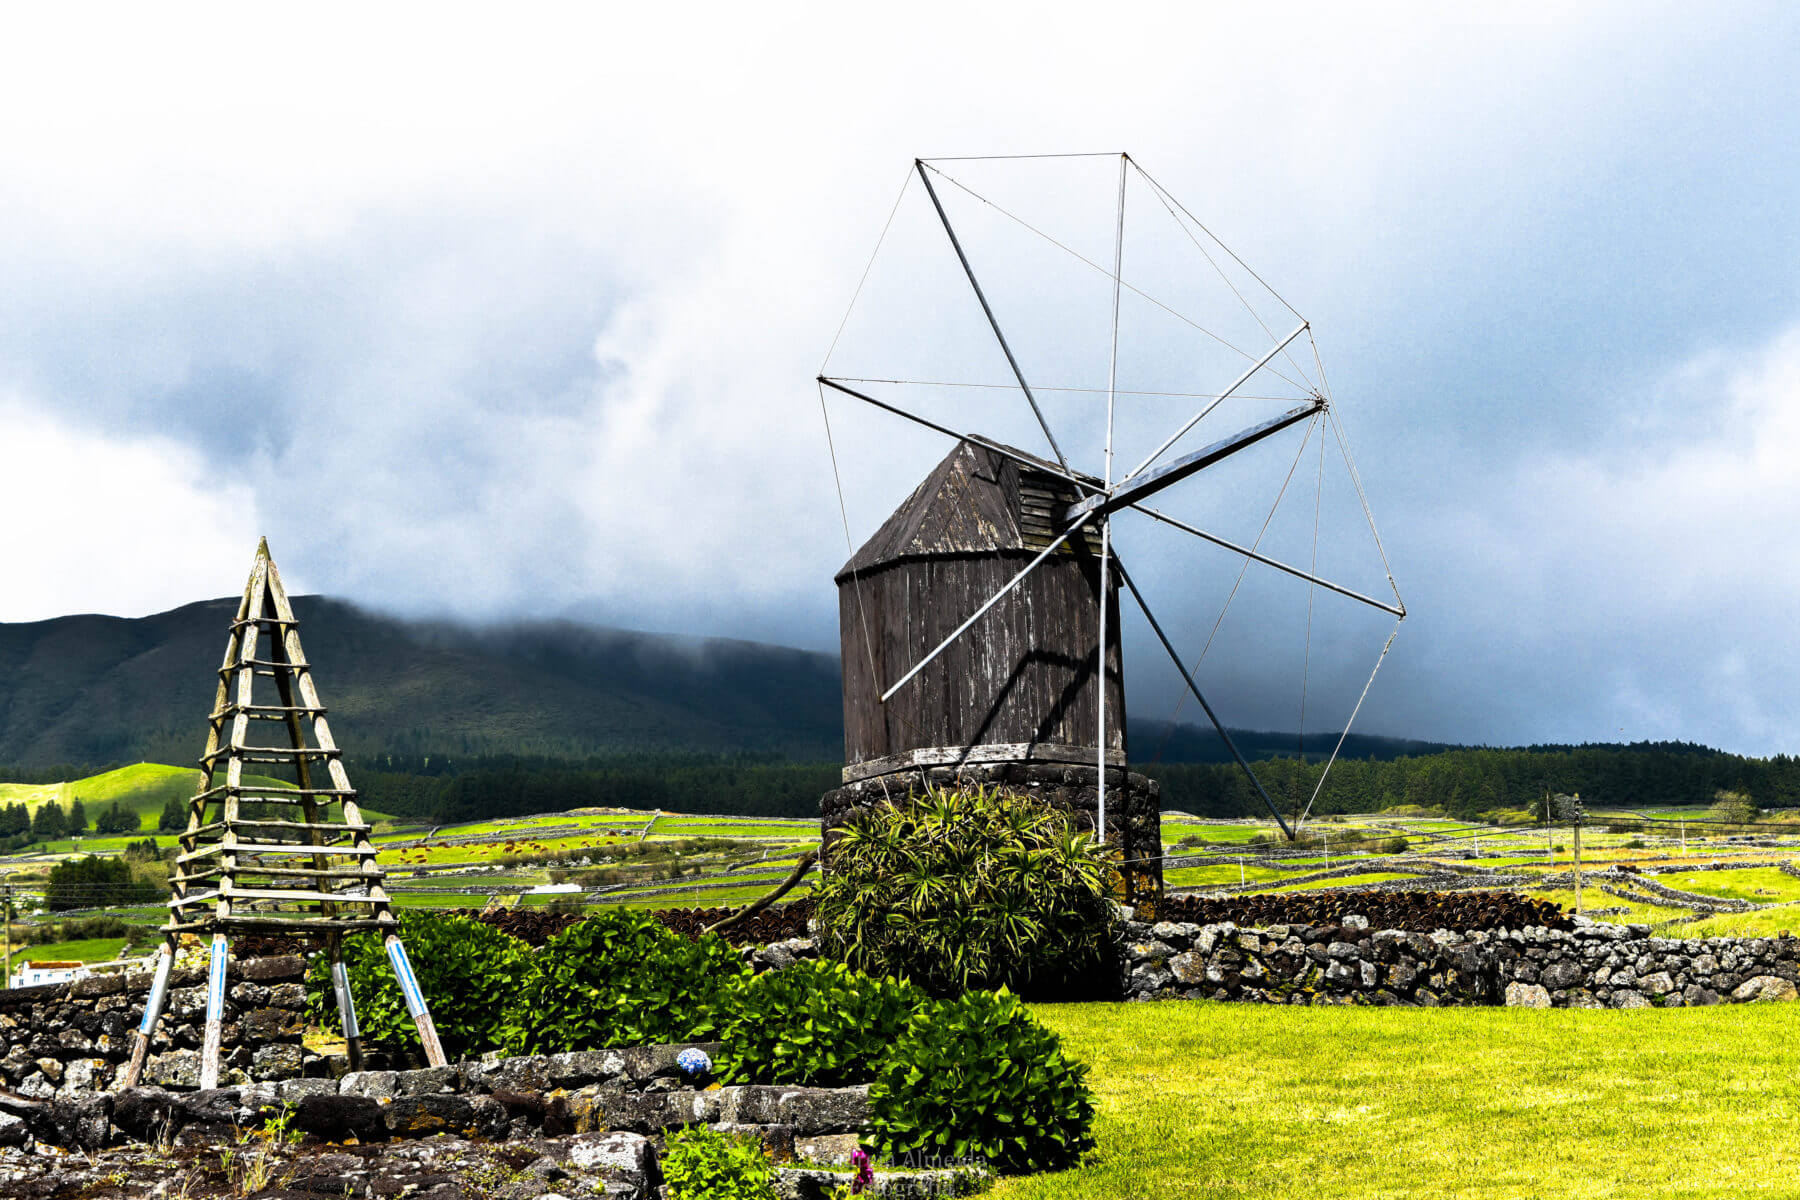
x,y
703,1164
817,1024
966,888
980,1077
465,969
93,882
620,978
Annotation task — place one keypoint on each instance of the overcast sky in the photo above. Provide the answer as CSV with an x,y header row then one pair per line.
x,y
518,316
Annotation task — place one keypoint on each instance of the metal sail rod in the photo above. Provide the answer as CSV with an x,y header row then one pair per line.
x,y
1112,383
1195,689
1320,786
1012,583
1151,482
1239,382
974,439
1254,556
992,322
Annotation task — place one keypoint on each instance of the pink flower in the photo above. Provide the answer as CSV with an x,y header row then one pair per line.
x,y
865,1175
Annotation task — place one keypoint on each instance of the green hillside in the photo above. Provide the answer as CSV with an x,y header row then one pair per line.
x,y
143,788
95,690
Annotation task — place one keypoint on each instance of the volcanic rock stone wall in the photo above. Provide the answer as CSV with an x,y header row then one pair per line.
x,y
1591,966
71,1038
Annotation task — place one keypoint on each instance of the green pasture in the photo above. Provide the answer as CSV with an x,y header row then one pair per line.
x,y
670,831
1766,922
85,950
1635,914
1760,885
1220,1100
1174,831
144,788
1216,876
1339,881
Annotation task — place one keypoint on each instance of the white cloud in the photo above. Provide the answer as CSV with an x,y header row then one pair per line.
x,y
513,315
114,525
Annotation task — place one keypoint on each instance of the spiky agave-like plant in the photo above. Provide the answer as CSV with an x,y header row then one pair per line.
x,y
967,887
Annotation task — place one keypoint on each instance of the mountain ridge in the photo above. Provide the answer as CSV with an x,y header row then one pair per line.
x,y
94,690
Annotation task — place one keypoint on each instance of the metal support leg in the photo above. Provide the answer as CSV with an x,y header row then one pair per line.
x,y
215,1014
346,1003
153,1008
415,1000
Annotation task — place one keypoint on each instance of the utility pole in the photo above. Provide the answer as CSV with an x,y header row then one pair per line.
x,y
1684,839
8,923
1577,828
1241,872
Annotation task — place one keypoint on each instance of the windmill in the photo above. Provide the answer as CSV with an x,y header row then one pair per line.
x,y
263,854
980,625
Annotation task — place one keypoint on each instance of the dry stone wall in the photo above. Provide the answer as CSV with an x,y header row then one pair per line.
x,y
1591,966
72,1038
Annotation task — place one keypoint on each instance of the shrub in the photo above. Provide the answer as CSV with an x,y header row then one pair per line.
x,y
966,888
620,978
980,1077
464,968
816,1024
703,1164
92,882
1735,808
1393,845
117,819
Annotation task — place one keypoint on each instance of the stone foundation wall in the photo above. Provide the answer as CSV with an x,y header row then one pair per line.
x,y
72,1038
1593,966
1133,806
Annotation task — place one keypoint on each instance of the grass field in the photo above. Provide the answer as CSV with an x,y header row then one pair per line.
x,y
87,950
1205,1100
143,788
1760,885
1767,922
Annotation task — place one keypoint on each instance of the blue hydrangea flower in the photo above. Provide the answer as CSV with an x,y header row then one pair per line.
x,y
693,1063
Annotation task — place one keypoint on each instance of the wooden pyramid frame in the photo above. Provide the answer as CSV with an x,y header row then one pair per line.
x,y
323,881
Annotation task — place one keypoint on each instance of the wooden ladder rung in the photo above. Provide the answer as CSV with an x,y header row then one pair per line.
x,y
322,826
344,851
264,712
284,872
282,621
269,754
260,664
247,894
274,795
292,922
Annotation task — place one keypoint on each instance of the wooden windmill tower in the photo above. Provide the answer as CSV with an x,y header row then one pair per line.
x,y
980,624
292,857
1018,706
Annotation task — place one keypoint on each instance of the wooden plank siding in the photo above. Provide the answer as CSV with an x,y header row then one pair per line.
x,y
1027,671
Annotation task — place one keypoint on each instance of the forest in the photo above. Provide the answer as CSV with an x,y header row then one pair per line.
x,y
1469,782
1463,782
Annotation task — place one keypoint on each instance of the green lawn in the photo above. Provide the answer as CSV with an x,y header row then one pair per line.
x,y
88,950
1216,1100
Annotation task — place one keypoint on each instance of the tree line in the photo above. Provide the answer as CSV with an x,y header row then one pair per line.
x,y
51,822
1469,783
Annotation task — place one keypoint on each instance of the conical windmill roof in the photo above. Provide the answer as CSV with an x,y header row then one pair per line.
x,y
975,501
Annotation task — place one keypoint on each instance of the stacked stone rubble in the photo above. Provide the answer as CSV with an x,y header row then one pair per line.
x,y
71,1038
